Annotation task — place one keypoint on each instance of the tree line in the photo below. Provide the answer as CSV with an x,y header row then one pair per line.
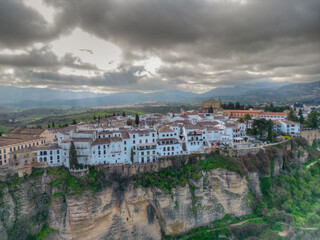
x,y
236,106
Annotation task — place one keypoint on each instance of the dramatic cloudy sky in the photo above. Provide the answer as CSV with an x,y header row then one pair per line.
x,y
149,45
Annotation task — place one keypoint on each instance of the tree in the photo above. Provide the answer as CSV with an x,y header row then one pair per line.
x,y
114,114
137,121
123,114
241,120
230,105
237,106
129,122
49,125
131,156
247,118
73,155
313,121
74,122
292,116
301,118
94,117
259,126
52,124
270,136
210,110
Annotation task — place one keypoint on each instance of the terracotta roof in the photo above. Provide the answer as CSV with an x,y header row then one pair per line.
x,y
48,147
242,111
26,131
273,114
291,122
9,142
165,129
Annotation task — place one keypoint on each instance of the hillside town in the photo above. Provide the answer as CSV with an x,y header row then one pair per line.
x,y
142,139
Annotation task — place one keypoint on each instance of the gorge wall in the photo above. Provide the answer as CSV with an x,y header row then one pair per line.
x,y
123,210
132,213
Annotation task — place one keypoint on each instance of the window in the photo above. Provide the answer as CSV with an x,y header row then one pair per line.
x,y
50,152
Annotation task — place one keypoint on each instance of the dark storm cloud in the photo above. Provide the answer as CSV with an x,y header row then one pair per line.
x,y
43,58
154,24
21,25
202,44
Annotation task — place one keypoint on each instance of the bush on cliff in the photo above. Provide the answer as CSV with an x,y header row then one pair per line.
x,y
171,177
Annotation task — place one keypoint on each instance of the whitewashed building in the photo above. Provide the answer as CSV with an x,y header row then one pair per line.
x,y
168,142
52,154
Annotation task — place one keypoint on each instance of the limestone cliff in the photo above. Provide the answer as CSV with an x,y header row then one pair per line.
x,y
131,213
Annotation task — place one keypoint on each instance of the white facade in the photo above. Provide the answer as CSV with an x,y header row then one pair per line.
x,y
289,127
50,154
195,139
108,151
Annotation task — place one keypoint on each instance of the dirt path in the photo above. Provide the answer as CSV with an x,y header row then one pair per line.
x,y
313,163
243,222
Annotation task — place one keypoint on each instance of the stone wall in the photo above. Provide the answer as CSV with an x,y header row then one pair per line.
x,y
136,168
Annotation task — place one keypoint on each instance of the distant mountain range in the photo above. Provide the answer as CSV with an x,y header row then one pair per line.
x,y
281,92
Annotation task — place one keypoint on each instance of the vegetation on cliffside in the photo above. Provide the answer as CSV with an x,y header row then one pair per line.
x,y
290,202
183,169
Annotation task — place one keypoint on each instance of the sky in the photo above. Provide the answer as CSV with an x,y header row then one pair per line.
x,y
109,46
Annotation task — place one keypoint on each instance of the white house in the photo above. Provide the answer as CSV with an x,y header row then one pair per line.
x,y
108,151
290,127
52,154
168,142
194,138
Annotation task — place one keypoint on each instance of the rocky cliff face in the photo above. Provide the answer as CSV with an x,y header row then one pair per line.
x,y
130,213
124,211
